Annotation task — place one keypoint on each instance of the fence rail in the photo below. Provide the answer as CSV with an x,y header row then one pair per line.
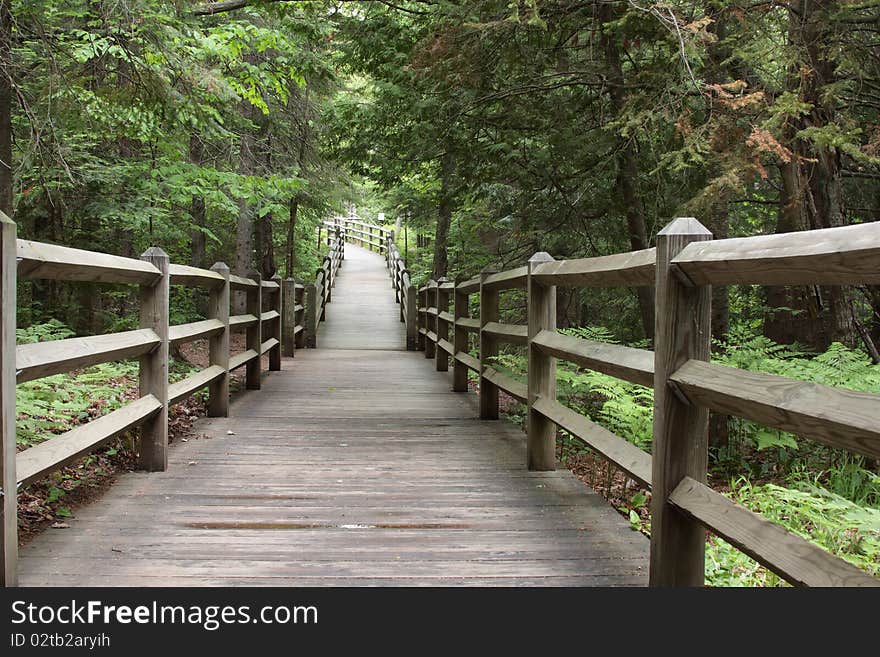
x,y
681,268
277,319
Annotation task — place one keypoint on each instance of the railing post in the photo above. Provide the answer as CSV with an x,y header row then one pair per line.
x,y
310,318
442,301
153,376
461,310
288,325
541,444
254,335
401,295
8,480
218,344
411,312
430,324
299,296
278,306
488,348
682,333
421,317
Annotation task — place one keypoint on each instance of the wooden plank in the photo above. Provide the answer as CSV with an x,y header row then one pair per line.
x,y
183,333
681,430
833,416
268,344
195,277
182,389
218,345
244,357
470,286
625,455
431,311
254,333
512,387
471,362
61,263
468,323
269,315
241,283
446,316
627,363
446,346
489,299
505,280
269,286
8,355
541,372
238,322
34,361
791,557
55,453
846,255
632,269
512,333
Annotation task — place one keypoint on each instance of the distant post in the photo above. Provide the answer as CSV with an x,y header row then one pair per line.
x,y
541,444
288,324
8,480
431,324
680,448
461,310
442,361
488,347
153,376
218,344
411,313
277,306
254,335
310,320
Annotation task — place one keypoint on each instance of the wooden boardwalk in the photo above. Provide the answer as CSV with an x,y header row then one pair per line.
x,y
354,465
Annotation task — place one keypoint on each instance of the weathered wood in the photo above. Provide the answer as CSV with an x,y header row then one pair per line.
x,y
794,559
411,310
269,344
39,359
194,276
442,323
503,382
625,455
511,333
633,269
183,333
846,255
269,315
506,280
680,445
431,320
488,348
470,286
242,358
254,334
242,284
461,309
421,319
836,417
153,373
312,313
541,432
446,347
289,319
239,322
468,361
218,345
627,363
8,480
471,325
275,328
61,263
185,388
53,454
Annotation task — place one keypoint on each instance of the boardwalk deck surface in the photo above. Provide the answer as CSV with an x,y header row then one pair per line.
x,y
354,465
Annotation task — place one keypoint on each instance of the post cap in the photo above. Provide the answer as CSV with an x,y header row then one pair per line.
x,y
220,266
154,252
685,226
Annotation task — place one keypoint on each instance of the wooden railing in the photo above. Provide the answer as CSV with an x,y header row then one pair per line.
x,y
367,235
277,317
686,385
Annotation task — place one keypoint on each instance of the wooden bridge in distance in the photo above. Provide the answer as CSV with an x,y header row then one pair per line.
x,y
361,462
353,465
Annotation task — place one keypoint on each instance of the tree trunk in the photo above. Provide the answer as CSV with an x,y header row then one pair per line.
x,y
444,217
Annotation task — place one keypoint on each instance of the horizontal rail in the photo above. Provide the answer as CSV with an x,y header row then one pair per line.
x,y
268,344
34,361
238,360
796,560
446,316
269,315
446,346
183,333
511,386
194,276
237,322
625,455
241,283
431,311
505,280
832,416
846,255
270,285
62,263
469,361
468,323
513,333
56,452
180,390
470,286
632,269
627,363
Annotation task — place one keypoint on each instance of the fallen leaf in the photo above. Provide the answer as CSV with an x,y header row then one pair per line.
x,y
60,525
